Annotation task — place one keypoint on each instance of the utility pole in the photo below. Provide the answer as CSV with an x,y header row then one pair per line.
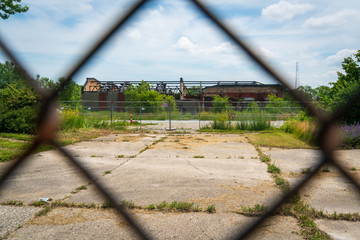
x,y
297,76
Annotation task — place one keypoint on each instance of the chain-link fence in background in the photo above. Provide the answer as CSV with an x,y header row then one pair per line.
x,y
198,114
47,126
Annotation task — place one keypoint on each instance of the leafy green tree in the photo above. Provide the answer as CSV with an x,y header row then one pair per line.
x,y
18,103
11,7
323,95
71,94
253,107
142,95
9,74
220,104
346,87
193,91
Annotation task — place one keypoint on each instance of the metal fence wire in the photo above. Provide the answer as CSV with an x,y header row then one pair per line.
x,y
47,125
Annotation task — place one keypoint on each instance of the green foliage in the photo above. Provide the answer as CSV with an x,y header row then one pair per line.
x,y
71,94
193,91
211,209
220,104
142,96
256,209
11,7
256,124
18,104
253,107
346,87
273,169
305,130
277,105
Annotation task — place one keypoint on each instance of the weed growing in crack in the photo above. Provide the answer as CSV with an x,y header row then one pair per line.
x,y
128,204
273,169
182,206
310,230
13,203
162,205
306,170
198,156
44,211
211,209
325,169
151,207
82,187
256,209
353,169
120,156
106,205
106,172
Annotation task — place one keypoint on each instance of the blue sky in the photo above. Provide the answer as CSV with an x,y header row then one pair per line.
x,y
169,39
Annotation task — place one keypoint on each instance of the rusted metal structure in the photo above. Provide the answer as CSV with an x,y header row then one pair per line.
x,y
104,92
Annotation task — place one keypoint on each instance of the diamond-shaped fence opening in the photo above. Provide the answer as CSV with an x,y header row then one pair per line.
x,y
47,126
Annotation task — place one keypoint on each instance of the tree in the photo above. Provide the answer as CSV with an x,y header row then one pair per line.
x,y
11,7
71,94
220,104
18,103
142,95
346,87
9,74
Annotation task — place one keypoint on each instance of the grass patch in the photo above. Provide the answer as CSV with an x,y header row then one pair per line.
x,y
82,187
276,138
211,208
44,211
257,209
12,145
198,156
128,204
306,170
273,169
13,203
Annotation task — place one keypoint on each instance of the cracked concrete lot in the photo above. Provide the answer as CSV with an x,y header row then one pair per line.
x,y
220,170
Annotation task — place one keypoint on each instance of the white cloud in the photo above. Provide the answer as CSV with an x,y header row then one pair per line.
x,y
185,44
339,56
339,19
284,10
266,53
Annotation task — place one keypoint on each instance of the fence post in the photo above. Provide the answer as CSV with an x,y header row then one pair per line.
x,y
199,114
111,113
169,107
260,111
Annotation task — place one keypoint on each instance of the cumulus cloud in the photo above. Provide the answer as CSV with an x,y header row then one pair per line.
x,y
284,10
336,20
339,56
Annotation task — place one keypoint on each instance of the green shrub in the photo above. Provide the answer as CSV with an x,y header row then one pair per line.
x,y
255,124
305,130
23,120
220,104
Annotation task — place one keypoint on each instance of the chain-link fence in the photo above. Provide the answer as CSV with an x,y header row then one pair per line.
x,y
327,135
192,114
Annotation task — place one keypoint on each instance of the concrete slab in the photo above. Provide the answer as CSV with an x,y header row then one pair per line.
x,y
46,174
327,191
12,218
100,224
229,175
339,230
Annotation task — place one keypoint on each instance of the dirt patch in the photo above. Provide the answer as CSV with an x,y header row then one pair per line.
x,y
65,216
